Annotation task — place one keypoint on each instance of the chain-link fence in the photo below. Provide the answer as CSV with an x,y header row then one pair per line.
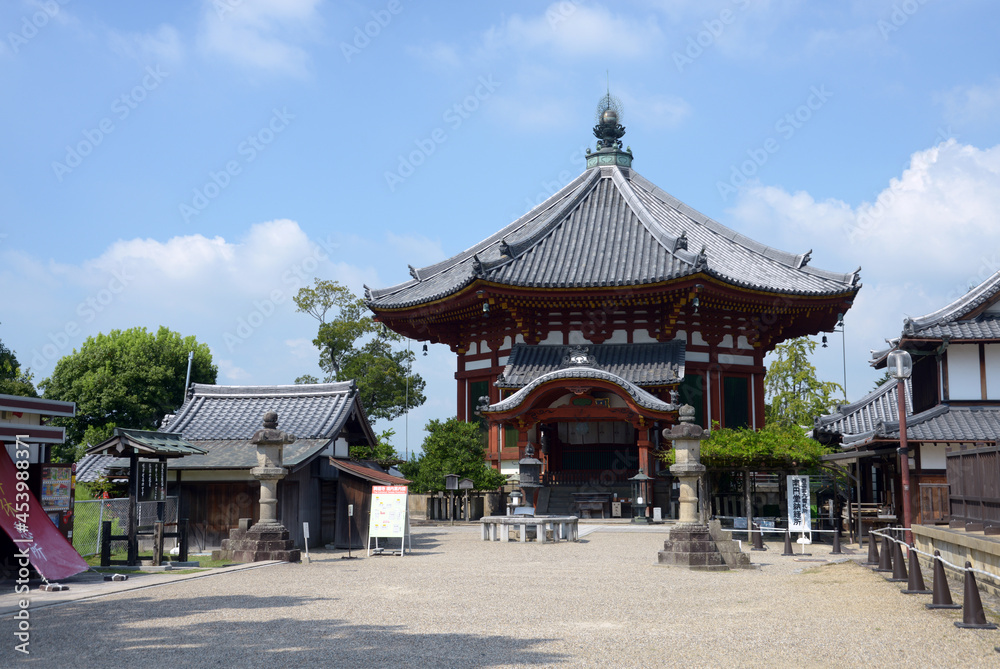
x,y
89,515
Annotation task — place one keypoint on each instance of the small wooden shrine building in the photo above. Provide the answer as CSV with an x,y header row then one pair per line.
x,y
592,317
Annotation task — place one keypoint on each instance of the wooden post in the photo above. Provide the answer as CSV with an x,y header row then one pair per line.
x,y
182,538
748,504
106,543
157,543
133,496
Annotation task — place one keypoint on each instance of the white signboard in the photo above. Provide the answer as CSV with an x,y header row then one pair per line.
x,y
388,514
799,516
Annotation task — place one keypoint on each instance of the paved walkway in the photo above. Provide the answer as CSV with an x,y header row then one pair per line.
x,y
458,601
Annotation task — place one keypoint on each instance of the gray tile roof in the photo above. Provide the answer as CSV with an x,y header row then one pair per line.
x,y
235,412
242,454
611,227
862,416
95,465
986,326
945,423
222,419
146,443
645,365
952,321
641,397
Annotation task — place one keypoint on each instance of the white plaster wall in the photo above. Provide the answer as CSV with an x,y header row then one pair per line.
x,y
932,456
963,372
642,337
992,371
554,337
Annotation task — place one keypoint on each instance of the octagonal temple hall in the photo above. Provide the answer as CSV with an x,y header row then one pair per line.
x,y
583,325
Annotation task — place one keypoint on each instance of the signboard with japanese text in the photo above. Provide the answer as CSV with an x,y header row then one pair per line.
x,y
799,515
28,525
388,512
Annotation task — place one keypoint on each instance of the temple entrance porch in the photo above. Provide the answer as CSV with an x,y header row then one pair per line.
x,y
592,430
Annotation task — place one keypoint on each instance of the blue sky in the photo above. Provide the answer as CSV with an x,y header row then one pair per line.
x,y
193,163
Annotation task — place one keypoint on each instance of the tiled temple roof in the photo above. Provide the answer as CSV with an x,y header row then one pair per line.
x,y
645,365
222,419
610,227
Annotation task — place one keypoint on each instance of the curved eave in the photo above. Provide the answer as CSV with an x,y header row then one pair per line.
x,y
564,239
963,306
640,400
468,292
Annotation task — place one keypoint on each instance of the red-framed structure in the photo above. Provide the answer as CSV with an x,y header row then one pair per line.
x,y
611,260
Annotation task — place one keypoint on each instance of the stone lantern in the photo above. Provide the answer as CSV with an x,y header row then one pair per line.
x,y
267,539
270,442
530,472
640,497
690,544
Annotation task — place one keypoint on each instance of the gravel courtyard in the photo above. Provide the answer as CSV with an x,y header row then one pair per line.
x,y
460,602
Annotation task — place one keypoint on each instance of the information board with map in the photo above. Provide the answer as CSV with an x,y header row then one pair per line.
x,y
388,517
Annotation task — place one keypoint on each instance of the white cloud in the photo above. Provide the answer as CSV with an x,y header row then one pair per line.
x,y
229,373
162,45
302,349
972,104
236,296
922,241
572,29
438,53
656,111
261,34
419,250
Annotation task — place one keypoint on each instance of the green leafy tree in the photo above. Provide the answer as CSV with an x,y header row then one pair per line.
x,y
794,393
774,448
383,452
14,380
353,346
451,447
126,378
880,381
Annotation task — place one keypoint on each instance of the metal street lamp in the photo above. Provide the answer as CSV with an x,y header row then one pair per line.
x,y
900,367
640,497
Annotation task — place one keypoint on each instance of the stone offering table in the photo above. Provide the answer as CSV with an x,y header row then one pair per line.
x,y
497,528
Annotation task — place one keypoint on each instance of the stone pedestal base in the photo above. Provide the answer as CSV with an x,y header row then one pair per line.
x,y
691,547
258,543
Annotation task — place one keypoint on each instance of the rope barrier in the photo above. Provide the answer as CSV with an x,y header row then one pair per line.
x,y
884,534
